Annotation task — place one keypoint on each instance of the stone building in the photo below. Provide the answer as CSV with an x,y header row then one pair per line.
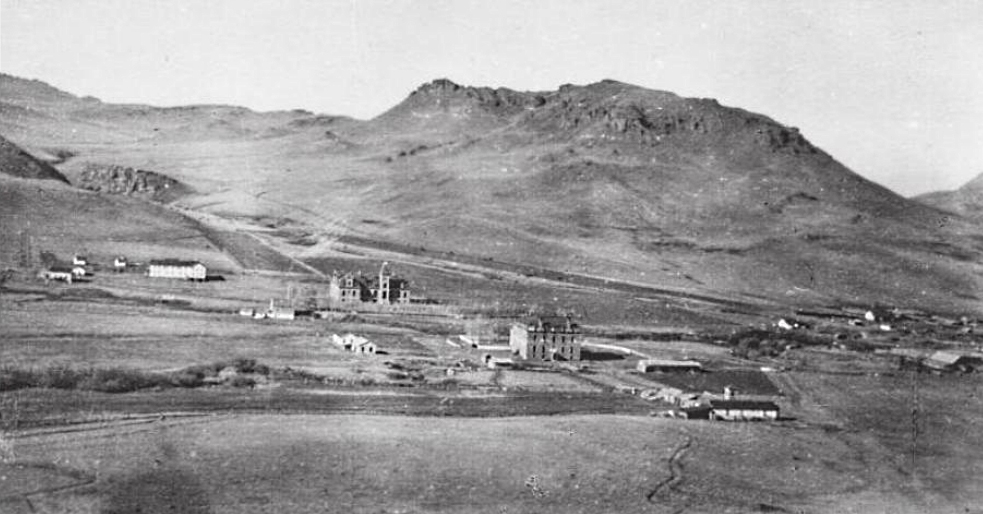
x,y
355,287
551,338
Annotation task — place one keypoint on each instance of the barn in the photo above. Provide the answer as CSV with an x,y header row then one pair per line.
x,y
176,268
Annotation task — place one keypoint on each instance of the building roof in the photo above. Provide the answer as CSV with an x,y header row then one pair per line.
x,y
742,405
60,269
372,281
947,358
552,324
173,262
667,363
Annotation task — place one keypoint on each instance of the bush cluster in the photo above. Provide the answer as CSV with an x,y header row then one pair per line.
x,y
111,380
119,380
755,343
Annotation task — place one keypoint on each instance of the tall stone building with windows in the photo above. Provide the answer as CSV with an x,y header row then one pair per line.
x,y
385,288
552,338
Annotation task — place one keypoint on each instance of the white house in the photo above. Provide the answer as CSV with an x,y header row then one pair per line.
x,y
78,271
354,343
365,348
79,260
175,268
119,264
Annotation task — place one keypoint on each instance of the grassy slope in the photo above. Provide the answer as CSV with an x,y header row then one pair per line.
x,y
65,220
368,464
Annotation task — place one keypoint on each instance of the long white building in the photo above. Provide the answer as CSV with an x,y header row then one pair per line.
x,y
175,268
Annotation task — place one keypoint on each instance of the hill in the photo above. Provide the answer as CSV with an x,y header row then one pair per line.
x,y
16,162
605,179
966,201
41,212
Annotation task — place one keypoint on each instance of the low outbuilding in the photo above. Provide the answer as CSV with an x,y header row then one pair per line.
x,y
62,273
177,268
666,365
951,361
743,410
355,344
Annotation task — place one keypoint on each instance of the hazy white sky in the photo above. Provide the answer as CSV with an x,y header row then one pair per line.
x,y
893,89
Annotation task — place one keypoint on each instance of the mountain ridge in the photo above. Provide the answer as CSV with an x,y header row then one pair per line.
x,y
604,179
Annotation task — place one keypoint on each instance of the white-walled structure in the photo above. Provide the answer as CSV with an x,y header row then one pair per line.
x,y
175,268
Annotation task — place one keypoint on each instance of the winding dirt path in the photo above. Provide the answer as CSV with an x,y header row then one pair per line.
x,y
670,483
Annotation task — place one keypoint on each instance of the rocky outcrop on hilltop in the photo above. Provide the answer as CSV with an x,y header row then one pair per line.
x,y
18,163
604,112
122,180
500,99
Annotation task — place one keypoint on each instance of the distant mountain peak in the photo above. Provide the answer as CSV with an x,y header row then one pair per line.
x,y
442,85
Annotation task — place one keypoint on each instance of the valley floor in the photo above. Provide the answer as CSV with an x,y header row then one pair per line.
x,y
362,463
425,426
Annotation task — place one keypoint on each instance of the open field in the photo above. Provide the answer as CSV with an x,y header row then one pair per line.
x,y
928,425
751,382
263,463
36,331
492,293
249,252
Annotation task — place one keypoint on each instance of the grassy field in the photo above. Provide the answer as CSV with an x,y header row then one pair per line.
x,y
35,330
307,463
250,253
492,293
745,381
926,426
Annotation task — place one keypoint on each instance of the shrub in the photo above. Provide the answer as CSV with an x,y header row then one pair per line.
x,y
242,381
12,379
58,377
243,365
188,378
116,380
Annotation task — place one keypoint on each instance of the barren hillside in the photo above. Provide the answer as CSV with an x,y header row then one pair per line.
x,y
966,201
606,179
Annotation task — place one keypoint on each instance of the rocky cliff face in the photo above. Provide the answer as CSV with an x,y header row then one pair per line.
x,y
121,180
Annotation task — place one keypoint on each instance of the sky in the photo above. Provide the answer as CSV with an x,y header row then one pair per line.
x,y
893,89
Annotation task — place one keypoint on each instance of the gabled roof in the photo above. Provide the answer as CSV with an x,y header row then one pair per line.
x,y
742,405
173,262
943,357
553,324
